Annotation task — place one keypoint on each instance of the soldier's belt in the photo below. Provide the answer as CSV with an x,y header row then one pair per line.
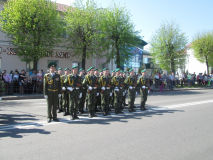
x,y
94,87
53,90
107,87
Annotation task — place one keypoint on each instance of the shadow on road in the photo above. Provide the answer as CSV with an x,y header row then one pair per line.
x,y
17,120
123,118
175,93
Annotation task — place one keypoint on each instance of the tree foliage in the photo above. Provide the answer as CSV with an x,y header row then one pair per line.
x,y
203,48
33,26
168,46
118,33
82,30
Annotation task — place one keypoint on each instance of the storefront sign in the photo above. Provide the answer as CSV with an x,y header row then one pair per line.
x,y
57,54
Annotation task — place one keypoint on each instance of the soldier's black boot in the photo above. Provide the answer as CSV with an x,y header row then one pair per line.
x,y
90,114
72,116
75,116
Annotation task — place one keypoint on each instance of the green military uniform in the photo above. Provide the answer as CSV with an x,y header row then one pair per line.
x,y
60,106
112,97
65,95
144,86
73,84
98,98
83,98
91,82
105,86
117,93
52,90
122,90
131,83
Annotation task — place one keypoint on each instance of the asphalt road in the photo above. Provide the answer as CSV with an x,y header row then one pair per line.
x,y
177,126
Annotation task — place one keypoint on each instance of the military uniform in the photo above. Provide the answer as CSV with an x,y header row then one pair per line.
x,y
73,84
105,85
65,95
131,83
116,82
144,86
83,98
91,82
52,90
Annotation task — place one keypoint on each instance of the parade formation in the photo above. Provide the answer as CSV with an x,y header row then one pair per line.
x,y
74,92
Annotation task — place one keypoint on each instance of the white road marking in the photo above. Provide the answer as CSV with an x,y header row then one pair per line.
x,y
84,119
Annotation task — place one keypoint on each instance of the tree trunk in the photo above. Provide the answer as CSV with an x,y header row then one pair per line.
x,y
117,56
207,65
83,61
35,65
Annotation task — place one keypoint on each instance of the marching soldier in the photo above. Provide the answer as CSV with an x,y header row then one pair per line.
x,y
116,82
60,108
73,83
52,91
83,90
124,97
65,95
105,84
91,82
122,89
144,86
131,83
98,98
112,97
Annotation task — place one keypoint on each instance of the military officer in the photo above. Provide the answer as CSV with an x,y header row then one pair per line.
x,y
60,108
116,82
131,83
144,87
98,98
122,89
65,95
124,97
83,91
73,83
91,82
105,85
52,90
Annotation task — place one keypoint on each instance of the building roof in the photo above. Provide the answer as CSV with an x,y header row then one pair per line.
x,y
62,7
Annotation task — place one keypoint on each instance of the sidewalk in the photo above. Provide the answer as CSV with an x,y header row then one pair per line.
x,y
39,96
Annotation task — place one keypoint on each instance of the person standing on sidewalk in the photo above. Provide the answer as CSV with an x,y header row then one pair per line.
x,y
172,78
52,91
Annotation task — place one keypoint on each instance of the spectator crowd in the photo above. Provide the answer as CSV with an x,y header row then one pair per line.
x,y
22,82
30,82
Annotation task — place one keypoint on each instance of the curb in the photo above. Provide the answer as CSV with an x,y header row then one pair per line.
x,y
41,96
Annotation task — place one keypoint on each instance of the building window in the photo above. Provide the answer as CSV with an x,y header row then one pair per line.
x,y
29,66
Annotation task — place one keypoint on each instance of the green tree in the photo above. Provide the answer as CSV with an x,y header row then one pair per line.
x,y
203,48
168,46
33,27
81,26
118,33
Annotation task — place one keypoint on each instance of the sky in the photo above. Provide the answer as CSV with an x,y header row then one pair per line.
x,y
191,15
